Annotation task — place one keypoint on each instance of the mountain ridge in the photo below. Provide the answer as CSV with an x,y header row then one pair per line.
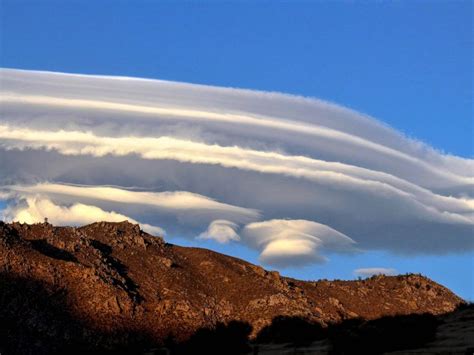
x,y
117,279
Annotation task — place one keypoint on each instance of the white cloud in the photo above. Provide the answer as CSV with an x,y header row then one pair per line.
x,y
198,154
294,120
348,176
366,272
178,211
170,200
292,242
35,210
221,231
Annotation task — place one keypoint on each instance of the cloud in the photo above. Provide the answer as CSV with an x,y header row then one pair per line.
x,y
189,157
366,272
176,200
169,209
221,231
35,210
294,242
86,143
154,105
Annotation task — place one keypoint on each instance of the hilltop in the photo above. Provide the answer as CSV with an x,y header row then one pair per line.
x,y
109,286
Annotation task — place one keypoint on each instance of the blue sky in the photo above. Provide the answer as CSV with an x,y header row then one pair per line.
x,y
406,63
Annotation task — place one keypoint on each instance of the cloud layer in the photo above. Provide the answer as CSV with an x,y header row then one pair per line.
x,y
288,176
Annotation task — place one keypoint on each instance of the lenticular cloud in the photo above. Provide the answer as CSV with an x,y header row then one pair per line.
x,y
288,176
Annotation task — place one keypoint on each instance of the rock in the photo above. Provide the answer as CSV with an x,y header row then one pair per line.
x,y
260,271
335,302
165,261
274,275
278,299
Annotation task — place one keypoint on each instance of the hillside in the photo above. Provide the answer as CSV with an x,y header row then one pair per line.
x,y
109,286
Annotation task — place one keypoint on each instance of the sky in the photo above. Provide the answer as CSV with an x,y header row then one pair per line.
x,y
406,64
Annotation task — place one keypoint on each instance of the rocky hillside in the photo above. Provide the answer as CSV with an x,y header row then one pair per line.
x,y
113,286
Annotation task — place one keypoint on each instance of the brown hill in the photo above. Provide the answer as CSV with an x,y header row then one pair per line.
x,y
112,286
